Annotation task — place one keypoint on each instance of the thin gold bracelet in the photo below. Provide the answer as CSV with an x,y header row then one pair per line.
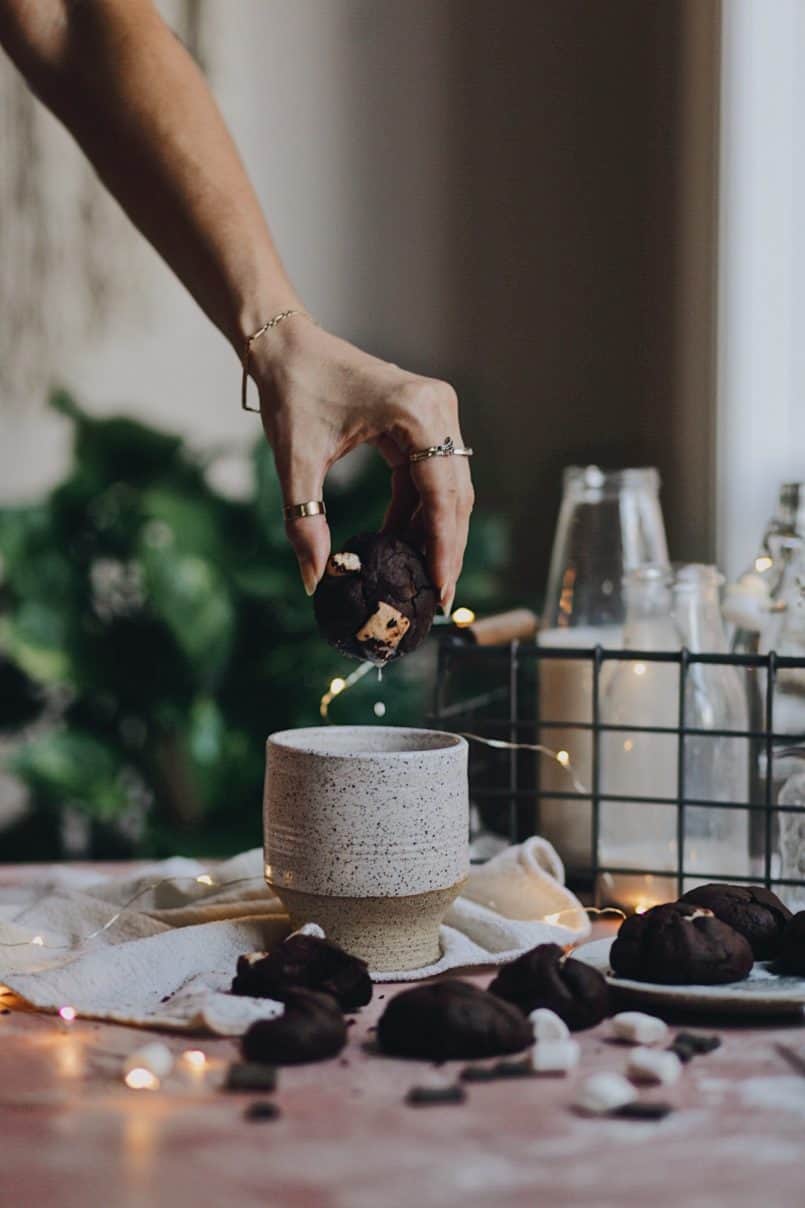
x,y
247,349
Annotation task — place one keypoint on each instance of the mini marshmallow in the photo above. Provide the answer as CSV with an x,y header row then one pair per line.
x,y
554,1056
639,1028
660,1067
603,1093
548,1025
309,929
155,1057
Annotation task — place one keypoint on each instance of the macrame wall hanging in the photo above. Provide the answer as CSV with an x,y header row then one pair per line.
x,y
67,253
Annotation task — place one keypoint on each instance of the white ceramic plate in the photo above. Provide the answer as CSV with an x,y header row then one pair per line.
x,y
761,993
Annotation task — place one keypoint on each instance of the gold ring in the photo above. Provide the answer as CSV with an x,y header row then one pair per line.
x,y
446,449
300,511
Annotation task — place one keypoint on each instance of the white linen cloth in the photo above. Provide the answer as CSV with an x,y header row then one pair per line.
x,y
168,958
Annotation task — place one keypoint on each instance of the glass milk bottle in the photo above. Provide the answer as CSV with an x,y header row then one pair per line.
x,y
754,605
610,523
716,768
641,833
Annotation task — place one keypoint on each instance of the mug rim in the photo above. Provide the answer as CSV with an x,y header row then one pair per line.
x,y
303,741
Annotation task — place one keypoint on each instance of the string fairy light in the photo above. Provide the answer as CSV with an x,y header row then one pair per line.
x,y
68,1014
340,684
562,758
141,1079
196,1059
462,617
39,941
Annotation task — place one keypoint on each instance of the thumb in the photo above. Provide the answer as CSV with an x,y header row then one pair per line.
x,y
309,535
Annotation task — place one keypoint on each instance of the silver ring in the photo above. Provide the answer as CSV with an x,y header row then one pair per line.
x,y
299,511
446,449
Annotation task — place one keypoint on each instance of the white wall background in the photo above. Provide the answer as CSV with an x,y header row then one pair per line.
x,y
761,400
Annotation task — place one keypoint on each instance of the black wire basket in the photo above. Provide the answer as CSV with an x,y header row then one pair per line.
x,y
492,693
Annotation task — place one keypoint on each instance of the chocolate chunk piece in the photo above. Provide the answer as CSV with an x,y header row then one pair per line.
x,y
307,963
688,1045
547,977
451,1019
757,913
427,1096
311,1029
250,1076
500,1070
263,1109
791,957
375,601
643,1110
680,944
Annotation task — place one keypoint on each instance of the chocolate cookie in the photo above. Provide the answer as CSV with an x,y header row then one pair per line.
x,y
451,1019
311,1028
756,912
375,601
680,944
547,977
308,963
791,957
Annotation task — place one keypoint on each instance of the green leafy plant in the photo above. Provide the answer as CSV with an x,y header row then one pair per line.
x,y
153,632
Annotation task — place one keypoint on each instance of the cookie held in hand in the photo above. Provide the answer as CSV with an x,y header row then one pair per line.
x,y
791,957
375,601
311,1028
680,944
451,1019
547,977
756,912
308,963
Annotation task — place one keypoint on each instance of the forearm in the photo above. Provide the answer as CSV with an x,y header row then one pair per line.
x,y
135,101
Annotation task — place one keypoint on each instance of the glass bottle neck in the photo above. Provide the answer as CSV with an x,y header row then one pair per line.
x,y
697,612
649,620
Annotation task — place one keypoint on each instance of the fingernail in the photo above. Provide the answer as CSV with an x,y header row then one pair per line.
x,y
446,599
309,579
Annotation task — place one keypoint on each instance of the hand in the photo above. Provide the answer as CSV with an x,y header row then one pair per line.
x,y
320,397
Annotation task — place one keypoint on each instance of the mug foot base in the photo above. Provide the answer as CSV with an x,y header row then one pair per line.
x,y
388,933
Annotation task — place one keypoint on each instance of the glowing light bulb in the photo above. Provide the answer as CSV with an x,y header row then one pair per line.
x,y
563,758
68,1014
337,685
763,563
379,709
640,668
462,617
38,941
141,1079
642,905
205,879
194,1058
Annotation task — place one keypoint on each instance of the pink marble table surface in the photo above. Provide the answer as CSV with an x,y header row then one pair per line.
x,y
72,1135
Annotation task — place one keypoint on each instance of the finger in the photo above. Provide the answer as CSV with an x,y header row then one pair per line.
x,y
436,485
466,502
303,482
404,501
404,498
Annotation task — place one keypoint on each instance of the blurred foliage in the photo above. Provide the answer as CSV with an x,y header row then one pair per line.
x,y
153,632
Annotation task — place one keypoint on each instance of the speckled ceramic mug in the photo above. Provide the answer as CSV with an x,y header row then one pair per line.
x,y
366,833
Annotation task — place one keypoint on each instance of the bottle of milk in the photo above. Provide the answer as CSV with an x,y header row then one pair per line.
x,y
610,523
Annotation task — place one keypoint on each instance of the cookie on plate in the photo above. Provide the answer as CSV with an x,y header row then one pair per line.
x,y
680,944
756,912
